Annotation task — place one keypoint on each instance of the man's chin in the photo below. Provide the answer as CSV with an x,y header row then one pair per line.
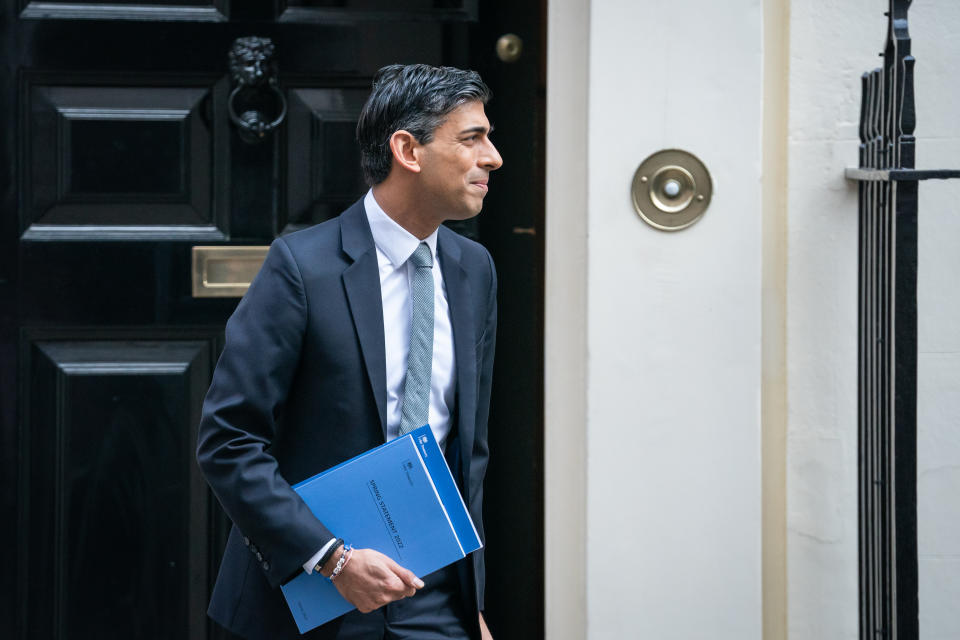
x,y
467,213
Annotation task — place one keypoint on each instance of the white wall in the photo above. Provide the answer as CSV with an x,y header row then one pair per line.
x,y
934,27
673,327
654,340
831,44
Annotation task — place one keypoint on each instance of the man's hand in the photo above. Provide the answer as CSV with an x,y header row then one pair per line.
x,y
371,580
484,631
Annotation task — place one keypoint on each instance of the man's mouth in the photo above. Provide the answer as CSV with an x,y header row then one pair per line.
x,y
482,184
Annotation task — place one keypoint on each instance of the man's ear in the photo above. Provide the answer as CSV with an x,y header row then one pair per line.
x,y
406,150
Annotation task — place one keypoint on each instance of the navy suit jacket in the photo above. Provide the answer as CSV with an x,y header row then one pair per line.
x,y
301,386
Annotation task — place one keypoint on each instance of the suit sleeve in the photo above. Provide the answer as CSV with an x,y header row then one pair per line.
x,y
261,353
481,450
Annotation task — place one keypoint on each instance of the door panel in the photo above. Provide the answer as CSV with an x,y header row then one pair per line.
x,y
120,156
323,160
352,10
186,10
116,513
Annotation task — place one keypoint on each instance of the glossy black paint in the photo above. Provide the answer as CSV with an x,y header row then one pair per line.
x,y
118,158
512,227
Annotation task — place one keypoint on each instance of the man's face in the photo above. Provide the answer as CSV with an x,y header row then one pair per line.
x,y
457,162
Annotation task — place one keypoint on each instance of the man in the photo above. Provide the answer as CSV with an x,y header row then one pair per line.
x,y
354,332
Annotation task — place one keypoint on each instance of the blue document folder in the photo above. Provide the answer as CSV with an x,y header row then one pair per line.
x,y
400,499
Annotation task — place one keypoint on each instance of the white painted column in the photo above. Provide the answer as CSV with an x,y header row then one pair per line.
x,y
673,526
565,317
830,46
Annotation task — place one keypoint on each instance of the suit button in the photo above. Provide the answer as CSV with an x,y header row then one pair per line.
x,y
266,566
246,541
259,556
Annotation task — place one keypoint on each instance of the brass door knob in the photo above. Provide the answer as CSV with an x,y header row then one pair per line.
x,y
509,47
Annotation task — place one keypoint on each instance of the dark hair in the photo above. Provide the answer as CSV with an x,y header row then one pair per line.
x,y
416,98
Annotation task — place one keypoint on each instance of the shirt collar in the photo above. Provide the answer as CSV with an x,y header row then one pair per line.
x,y
395,242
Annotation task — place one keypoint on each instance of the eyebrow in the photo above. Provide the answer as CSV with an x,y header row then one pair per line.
x,y
477,129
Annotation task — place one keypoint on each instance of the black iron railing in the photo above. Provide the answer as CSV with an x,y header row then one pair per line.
x,y
887,377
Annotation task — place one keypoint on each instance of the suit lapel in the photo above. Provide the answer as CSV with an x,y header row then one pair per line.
x,y
361,280
461,319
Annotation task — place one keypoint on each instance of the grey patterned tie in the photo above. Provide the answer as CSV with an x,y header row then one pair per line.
x,y
416,387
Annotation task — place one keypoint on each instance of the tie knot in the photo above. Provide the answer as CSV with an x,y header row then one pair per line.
x,y
422,257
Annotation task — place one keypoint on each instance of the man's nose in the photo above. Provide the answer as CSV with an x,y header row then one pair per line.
x,y
490,159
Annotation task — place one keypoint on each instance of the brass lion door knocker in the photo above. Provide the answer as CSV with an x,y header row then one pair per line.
x,y
254,72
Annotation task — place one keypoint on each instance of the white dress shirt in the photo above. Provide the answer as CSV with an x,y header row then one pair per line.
x,y
394,246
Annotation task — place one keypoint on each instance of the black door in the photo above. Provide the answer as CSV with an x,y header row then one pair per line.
x,y
119,159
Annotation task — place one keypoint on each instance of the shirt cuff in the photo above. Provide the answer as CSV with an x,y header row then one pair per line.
x,y
312,562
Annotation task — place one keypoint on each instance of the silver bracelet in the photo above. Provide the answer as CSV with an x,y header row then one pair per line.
x,y
342,561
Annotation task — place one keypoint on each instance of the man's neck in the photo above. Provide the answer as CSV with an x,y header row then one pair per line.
x,y
402,209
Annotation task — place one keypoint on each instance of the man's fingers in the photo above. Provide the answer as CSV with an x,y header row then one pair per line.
x,y
375,579
409,577
402,590
404,582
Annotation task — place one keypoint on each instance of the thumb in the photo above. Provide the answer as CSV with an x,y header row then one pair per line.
x,y
409,577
